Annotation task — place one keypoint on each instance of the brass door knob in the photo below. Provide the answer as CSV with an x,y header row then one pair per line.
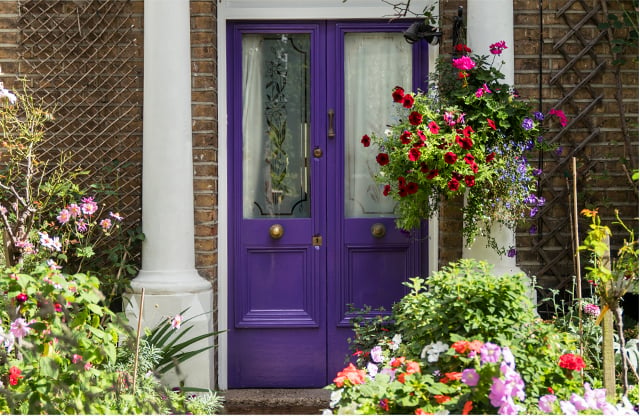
x,y
378,230
276,231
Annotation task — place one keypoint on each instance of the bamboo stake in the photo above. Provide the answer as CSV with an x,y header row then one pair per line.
x,y
608,354
139,330
577,252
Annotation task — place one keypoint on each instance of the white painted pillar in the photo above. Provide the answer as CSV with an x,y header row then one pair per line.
x,y
168,273
491,21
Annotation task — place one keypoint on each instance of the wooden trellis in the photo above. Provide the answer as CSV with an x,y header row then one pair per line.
x,y
582,63
80,59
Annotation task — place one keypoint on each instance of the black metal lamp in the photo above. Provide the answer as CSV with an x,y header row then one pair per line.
x,y
421,30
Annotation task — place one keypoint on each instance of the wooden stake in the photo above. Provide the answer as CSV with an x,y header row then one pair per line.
x,y
135,361
577,252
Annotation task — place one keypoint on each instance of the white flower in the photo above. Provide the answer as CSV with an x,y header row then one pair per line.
x,y
372,369
336,395
176,322
395,342
432,351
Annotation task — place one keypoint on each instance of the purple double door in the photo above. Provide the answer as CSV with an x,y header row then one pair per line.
x,y
310,232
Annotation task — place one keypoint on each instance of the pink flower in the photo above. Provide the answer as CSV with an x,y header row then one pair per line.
x,y
591,309
414,154
76,358
482,91
433,127
20,328
117,216
105,224
74,210
560,115
176,322
498,47
64,216
88,206
465,63
22,297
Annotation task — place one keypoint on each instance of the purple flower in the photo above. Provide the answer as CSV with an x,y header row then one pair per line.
x,y
533,212
533,229
509,408
498,392
527,124
20,328
372,370
489,352
558,151
545,403
536,172
568,408
538,116
578,402
512,252
470,377
508,358
376,354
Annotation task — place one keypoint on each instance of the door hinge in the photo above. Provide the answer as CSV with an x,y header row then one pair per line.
x,y
316,240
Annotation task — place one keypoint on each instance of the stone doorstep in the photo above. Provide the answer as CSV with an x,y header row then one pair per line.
x,y
275,401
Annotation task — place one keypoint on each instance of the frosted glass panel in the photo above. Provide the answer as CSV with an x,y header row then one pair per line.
x,y
275,125
374,64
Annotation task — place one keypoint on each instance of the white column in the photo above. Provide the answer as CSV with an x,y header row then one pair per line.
x,y
491,21
168,274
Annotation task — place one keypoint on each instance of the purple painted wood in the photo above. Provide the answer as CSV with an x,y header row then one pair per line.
x,y
288,320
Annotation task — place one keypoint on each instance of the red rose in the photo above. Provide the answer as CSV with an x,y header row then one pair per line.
x,y
366,141
407,101
398,95
382,159
453,185
450,158
470,180
415,118
405,137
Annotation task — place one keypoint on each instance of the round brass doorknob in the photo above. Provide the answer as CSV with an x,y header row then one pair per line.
x,y
378,230
276,231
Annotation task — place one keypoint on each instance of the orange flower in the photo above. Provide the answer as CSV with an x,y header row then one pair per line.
x,y
400,377
412,367
397,362
467,407
351,374
589,213
420,411
440,398
451,377
475,345
461,347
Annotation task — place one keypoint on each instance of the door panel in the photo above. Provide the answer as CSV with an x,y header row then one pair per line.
x,y
310,230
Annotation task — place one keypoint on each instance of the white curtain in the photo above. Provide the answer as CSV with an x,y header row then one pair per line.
x,y
374,63
253,131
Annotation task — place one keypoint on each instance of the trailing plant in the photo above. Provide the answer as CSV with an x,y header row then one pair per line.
x,y
468,135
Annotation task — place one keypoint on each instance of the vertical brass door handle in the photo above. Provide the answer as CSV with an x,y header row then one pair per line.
x,y
378,230
276,231
331,133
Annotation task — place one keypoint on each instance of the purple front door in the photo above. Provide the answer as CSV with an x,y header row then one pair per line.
x,y
310,231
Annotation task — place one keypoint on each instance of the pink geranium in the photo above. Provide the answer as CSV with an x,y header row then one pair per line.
x,y
464,63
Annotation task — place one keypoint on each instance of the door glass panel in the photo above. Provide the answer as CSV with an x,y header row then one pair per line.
x,y
275,125
374,63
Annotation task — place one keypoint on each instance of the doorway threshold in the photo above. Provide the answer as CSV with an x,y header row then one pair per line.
x,y
275,401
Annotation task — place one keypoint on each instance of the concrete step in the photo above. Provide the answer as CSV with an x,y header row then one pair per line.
x,y
275,401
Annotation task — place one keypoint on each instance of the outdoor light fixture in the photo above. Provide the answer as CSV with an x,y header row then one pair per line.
x,y
420,30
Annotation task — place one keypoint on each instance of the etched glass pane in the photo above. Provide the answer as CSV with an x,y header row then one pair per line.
x,y
374,63
275,125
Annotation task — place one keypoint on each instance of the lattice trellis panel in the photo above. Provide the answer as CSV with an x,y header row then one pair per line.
x,y
80,58
578,81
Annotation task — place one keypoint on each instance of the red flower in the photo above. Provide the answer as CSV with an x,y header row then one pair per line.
x,y
421,135
550,390
432,174
407,101
412,188
464,142
475,345
457,176
467,131
572,362
351,374
57,307
402,191
414,154
468,406
460,346
397,362
413,367
384,404
453,185
462,48
421,411
441,398
415,118
433,127
450,158
382,159
405,137
453,376
22,297
366,141
14,375
398,95
386,189
490,157
469,159
491,123
474,167
470,180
